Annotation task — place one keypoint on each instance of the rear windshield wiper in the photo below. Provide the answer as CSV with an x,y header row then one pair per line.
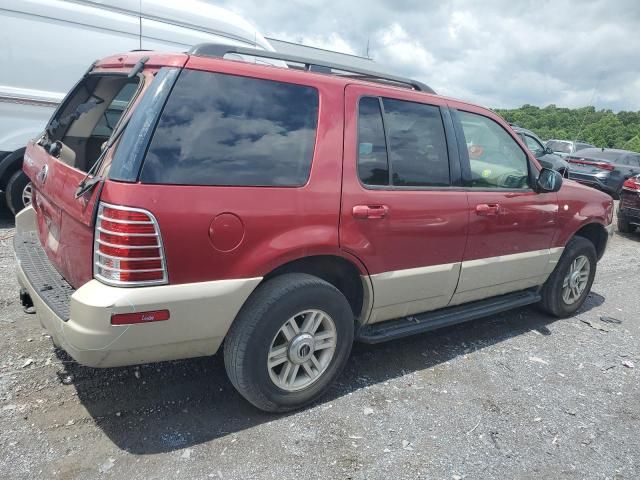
x,y
89,180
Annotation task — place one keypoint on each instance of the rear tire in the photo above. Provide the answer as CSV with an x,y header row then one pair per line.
x,y
18,190
263,342
555,298
624,226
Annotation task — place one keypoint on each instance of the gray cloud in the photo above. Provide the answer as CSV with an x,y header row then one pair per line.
x,y
497,53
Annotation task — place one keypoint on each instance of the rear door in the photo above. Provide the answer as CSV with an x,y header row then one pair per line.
x,y
403,212
511,226
86,119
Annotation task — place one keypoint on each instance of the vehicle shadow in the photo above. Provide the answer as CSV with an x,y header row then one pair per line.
x,y
172,405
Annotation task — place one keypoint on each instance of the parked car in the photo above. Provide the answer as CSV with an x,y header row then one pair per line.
x,y
85,30
604,169
629,207
545,155
280,214
567,147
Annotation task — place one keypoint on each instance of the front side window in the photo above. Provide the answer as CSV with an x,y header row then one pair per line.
x,y
219,129
416,153
534,145
495,158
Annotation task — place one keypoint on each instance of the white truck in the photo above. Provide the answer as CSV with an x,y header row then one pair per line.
x,y
48,44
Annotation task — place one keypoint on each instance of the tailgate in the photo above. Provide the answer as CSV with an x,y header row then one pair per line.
x,y
73,146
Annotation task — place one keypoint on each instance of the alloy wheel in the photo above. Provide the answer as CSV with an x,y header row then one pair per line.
x,y
302,350
576,280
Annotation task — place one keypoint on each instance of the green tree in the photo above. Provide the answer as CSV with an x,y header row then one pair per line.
x,y
603,128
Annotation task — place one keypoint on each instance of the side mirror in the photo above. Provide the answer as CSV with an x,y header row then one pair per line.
x,y
548,150
549,180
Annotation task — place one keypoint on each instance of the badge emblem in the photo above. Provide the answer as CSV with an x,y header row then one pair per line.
x,y
42,174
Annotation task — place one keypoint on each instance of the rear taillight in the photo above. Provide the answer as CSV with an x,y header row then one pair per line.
x,y
593,163
127,248
632,184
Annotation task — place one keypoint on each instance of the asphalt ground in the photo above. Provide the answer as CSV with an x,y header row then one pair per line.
x,y
518,395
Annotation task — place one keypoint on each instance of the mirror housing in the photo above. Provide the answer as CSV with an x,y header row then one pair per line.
x,y
548,180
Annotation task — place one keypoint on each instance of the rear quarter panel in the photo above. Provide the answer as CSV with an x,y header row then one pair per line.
x,y
280,224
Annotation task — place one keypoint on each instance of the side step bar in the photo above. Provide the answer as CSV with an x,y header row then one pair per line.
x,y
424,322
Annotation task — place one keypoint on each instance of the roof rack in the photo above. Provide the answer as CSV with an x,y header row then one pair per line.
x,y
219,50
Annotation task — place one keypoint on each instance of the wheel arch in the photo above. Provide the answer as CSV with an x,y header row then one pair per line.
x,y
597,234
347,275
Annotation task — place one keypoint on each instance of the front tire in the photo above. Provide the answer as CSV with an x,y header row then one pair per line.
x,y
289,342
568,286
19,192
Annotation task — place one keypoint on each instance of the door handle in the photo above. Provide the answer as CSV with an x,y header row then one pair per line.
x,y
488,209
370,211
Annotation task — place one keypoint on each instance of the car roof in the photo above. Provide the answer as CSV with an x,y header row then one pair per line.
x,y
159,59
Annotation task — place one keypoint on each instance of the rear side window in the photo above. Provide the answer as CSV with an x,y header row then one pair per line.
x,y
219,129
416,152
373,166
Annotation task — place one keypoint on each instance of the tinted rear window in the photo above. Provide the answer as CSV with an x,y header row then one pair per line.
x,y
219,129
598,154
416,155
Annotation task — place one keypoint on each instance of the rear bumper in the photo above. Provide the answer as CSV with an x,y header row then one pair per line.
x,y
200,316
630,214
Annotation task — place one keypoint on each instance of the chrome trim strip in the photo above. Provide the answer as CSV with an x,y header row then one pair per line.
x,y
129,222
119,234
127,258
128,247
29,101
113,269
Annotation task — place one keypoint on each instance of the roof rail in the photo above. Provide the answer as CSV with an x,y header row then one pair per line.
x,y
219,50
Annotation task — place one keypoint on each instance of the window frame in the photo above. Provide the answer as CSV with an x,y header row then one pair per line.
x,y
466,162
455,177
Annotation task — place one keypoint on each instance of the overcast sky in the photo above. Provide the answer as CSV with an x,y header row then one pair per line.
x,y
499,53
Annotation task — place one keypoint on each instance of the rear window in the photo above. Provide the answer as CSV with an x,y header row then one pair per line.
x,y
562,147
599,154
219,129
582,146
416,152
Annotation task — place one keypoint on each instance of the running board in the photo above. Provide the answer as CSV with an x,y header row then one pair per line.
x,y
424,322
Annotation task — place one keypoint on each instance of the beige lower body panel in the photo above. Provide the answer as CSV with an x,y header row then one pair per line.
x,y
406,292
488,277
200,316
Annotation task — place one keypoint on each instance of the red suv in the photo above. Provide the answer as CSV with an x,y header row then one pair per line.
x,y
185,203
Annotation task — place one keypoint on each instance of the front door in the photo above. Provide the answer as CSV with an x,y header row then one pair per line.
x,y
511,226
404,214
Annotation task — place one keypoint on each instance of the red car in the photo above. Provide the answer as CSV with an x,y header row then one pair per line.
x,y
629,207
185,203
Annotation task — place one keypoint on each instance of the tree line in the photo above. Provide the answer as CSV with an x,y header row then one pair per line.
x,y
602,128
